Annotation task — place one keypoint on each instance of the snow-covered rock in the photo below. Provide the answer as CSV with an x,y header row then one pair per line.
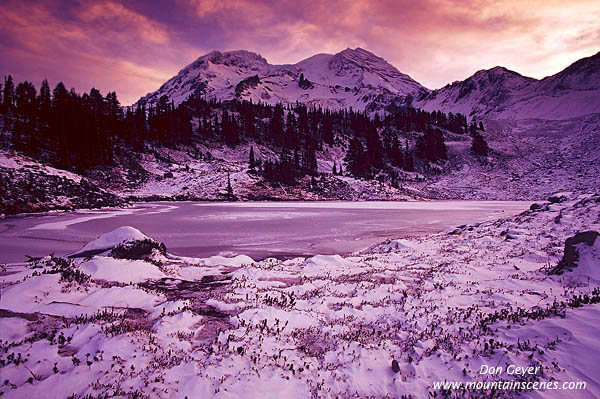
x,y
110,240
580,252
237,260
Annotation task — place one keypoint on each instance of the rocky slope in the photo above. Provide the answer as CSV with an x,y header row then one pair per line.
x,y
530,159
189,174
28,186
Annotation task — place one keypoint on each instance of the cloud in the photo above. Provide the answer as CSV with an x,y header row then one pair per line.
x,y
133,46
102,44
115,17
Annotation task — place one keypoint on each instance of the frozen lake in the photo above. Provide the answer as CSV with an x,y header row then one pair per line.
x,y
257,229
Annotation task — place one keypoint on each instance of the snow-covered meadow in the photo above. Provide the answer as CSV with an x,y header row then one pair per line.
x,y
124,318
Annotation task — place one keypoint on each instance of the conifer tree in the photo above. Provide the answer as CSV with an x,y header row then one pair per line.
x,y
479,145
431,145
356,158
45,104
409,162
8,94
229,187
25,106
374,150
252,160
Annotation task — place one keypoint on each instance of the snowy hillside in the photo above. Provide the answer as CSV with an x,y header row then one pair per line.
x,y
530,159
498,93
181,175
135,321
351,78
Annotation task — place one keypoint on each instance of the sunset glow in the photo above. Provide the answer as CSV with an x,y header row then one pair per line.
x,y
134,46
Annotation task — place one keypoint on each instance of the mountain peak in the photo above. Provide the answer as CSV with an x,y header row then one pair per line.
x,y
351,78
499,93
499,77
361,55
498,71
236,57
369,69
587,65
358,50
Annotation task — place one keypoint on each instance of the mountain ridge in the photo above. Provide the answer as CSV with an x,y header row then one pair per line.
x,y
501,94
359,79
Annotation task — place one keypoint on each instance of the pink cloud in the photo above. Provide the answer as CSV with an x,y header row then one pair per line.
x,y
117,15
133,46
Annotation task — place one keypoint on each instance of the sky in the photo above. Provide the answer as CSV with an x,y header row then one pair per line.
x,y
134,46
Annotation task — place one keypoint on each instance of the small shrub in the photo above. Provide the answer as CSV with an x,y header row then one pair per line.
x,y
138,250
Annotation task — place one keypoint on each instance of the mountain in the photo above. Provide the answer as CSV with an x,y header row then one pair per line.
x,y
352,78
485,92
501,94
542,136
359,79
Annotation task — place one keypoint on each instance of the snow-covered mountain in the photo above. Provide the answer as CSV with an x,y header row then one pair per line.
x,y
361,80
351,78
498,93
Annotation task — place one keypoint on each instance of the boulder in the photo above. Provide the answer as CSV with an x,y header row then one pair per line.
x,y
571,253
108,241
558,197
395,366
536,206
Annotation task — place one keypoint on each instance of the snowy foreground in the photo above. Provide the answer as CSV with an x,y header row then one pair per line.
x,y
123,318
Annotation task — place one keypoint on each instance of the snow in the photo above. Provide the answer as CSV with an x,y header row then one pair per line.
x,y
12,328
11,160
110,240
587,263
328,325
110,269
238,260
45,294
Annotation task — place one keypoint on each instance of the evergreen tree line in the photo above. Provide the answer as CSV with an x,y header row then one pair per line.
x,y
82,131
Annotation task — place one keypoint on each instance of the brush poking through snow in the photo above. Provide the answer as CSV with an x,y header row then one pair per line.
x,y
389,322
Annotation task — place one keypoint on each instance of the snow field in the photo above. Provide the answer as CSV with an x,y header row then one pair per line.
x,y
441,306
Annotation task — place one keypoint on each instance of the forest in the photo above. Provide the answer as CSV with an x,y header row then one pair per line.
x,y
81,131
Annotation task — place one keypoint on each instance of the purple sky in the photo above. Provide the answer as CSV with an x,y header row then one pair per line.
x,y
134,46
